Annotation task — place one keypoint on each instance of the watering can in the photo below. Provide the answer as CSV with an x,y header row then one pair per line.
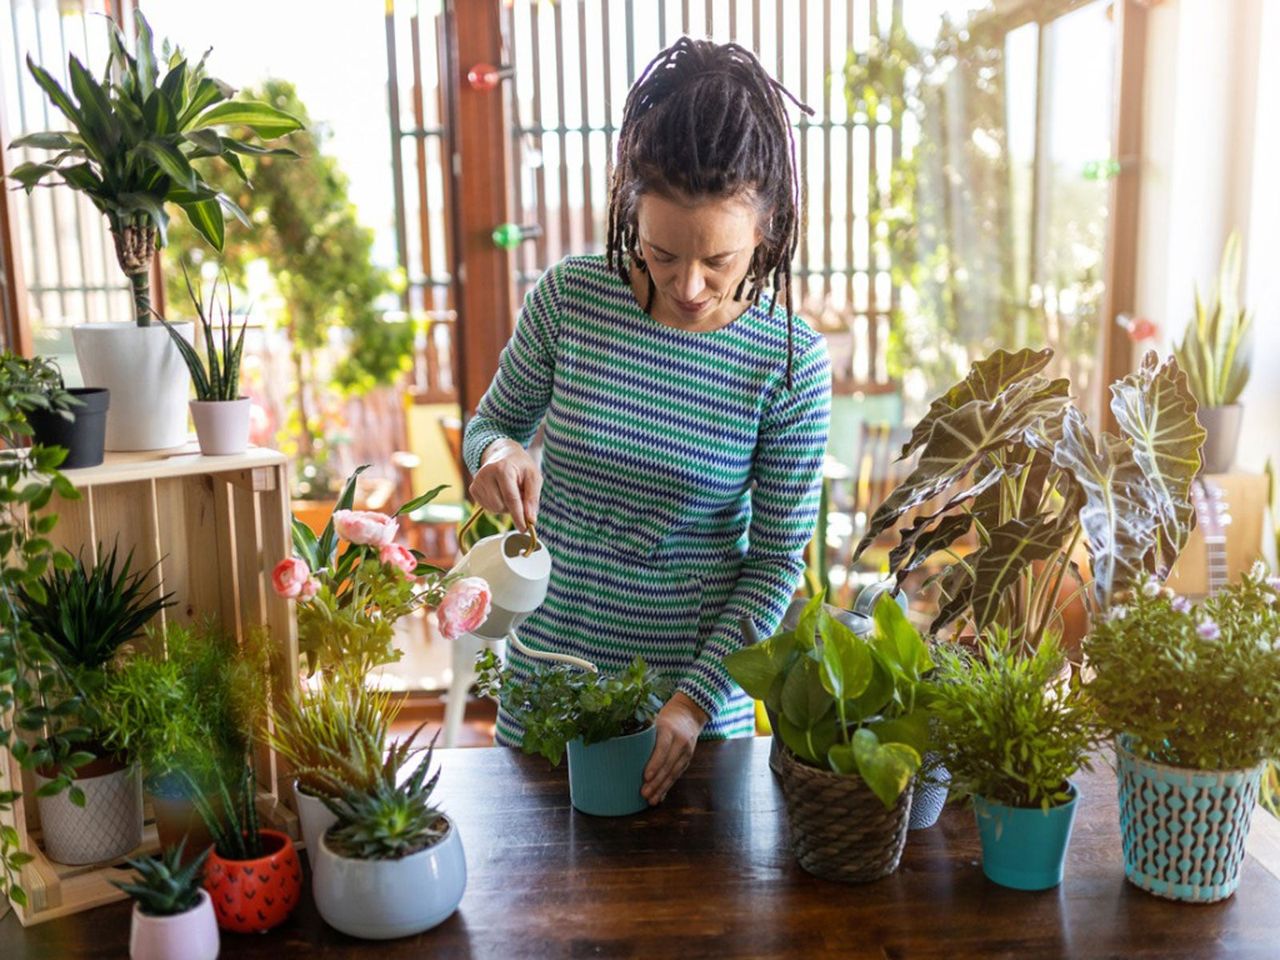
x,y
517,567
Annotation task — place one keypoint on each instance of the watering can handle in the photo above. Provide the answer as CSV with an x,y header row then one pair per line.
x,y
551,657
480,511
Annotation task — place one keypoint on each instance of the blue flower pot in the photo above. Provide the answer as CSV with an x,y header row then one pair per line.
x,y
1183,831
1024,848
605,778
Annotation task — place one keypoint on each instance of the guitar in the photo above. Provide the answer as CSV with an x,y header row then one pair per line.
x,y
1213,517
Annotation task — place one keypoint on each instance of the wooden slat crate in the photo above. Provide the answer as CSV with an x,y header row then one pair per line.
x,y
214,527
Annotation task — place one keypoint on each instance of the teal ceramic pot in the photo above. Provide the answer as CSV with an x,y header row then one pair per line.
x,y
605,778
1183,831
1025,848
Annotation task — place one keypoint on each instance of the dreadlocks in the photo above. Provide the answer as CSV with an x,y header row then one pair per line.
x,y
707,120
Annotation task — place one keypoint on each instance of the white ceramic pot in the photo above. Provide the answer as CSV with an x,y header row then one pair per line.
x,y
381,899
184,936
315,818
222,426
147,378
107,827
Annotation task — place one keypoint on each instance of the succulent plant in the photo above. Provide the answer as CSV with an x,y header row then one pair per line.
x,y
162,886
389,822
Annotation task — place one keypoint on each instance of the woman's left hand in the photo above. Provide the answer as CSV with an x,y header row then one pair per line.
x,y
679,722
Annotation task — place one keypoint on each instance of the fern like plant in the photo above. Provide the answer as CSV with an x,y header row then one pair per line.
x,y
163,887
1215,350
217,376
389,821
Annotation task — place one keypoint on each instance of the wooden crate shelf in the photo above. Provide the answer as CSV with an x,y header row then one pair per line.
x,y
213,528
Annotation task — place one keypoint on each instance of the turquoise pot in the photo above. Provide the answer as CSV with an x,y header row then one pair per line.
x,y
1024,848
1183,831
605,778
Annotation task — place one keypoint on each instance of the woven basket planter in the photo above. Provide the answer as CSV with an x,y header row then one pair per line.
x,y
839,829
1183,831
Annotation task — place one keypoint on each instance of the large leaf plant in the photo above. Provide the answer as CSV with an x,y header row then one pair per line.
x,y
856,705
1005,456
139,141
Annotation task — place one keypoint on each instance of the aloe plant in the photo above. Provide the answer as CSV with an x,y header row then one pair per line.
x,y
162,886
139,142
217,377
1005,454
1215,351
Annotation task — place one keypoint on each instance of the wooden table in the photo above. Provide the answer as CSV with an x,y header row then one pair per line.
x,y
709,874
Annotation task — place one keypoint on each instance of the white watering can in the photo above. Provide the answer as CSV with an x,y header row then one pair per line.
x,y
517,567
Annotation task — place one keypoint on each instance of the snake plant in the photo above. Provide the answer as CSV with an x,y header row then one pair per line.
x,y
217,377
140,141
1215,350
1005,455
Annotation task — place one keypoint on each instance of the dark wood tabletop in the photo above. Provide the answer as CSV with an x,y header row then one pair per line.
x,y
710,874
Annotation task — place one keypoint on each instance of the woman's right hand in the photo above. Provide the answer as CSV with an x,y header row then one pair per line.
x,y
508,481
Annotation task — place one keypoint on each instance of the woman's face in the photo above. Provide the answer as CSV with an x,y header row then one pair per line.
x,y
697,252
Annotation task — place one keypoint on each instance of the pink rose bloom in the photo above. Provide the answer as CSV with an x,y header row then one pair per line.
x,y
465,606
365,527
309,589
394,555
290,578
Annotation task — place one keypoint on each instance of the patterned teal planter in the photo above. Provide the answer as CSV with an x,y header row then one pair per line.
x,y
1183,831
1025,848
605,778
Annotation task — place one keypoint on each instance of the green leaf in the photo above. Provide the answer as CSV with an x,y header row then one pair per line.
x,y
420,501
148,69
846,659
902,648
208,92
305,543
887,768
148,204
804,698
170,159
55,93
1001,562
206,217
51,140
29,174
810,744
158,113
912,730
99,123
262,118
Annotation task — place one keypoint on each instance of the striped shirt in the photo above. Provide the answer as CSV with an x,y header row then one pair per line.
x,y
680,478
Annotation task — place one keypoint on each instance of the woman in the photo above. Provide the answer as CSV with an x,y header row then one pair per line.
x,y
685,412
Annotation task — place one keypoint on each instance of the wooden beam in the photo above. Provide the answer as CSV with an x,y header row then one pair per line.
x,y
1122,226
15,326
480,137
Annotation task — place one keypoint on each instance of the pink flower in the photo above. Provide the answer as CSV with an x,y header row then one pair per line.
x,y
465,606
1208,630
1181,605
309,589
365,527
291,577
394,555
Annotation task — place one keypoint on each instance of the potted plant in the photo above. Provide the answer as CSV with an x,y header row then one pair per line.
x,y
392,865
29,478
353,582
140,141
1216,353
186,708
254,874
1013,728
1192,694
84,615
73,419
335,739
1004,453
852,714
172,912
604,722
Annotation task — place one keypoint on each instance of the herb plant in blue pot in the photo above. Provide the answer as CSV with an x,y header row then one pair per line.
x,y
1013,727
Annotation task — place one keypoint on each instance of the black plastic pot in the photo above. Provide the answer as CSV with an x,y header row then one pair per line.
x,y
82,436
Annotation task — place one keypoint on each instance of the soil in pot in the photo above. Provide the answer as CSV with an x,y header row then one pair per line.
x,y
83,435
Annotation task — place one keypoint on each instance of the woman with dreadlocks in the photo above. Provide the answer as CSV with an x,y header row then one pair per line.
x,y
685,409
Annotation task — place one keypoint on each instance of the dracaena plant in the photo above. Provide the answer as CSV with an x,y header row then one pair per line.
x,y
217,376
1215,350
139,140
1006,456
859,706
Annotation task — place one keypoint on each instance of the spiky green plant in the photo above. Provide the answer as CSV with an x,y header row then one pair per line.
x,y
163,887
86,613
1215,350
389,822
140,141
234,825
335,737
217,377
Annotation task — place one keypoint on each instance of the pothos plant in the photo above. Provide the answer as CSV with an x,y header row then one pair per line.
x,y
30,691
859,706
1005,455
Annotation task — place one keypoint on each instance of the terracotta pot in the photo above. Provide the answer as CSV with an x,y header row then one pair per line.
x,y
253,896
